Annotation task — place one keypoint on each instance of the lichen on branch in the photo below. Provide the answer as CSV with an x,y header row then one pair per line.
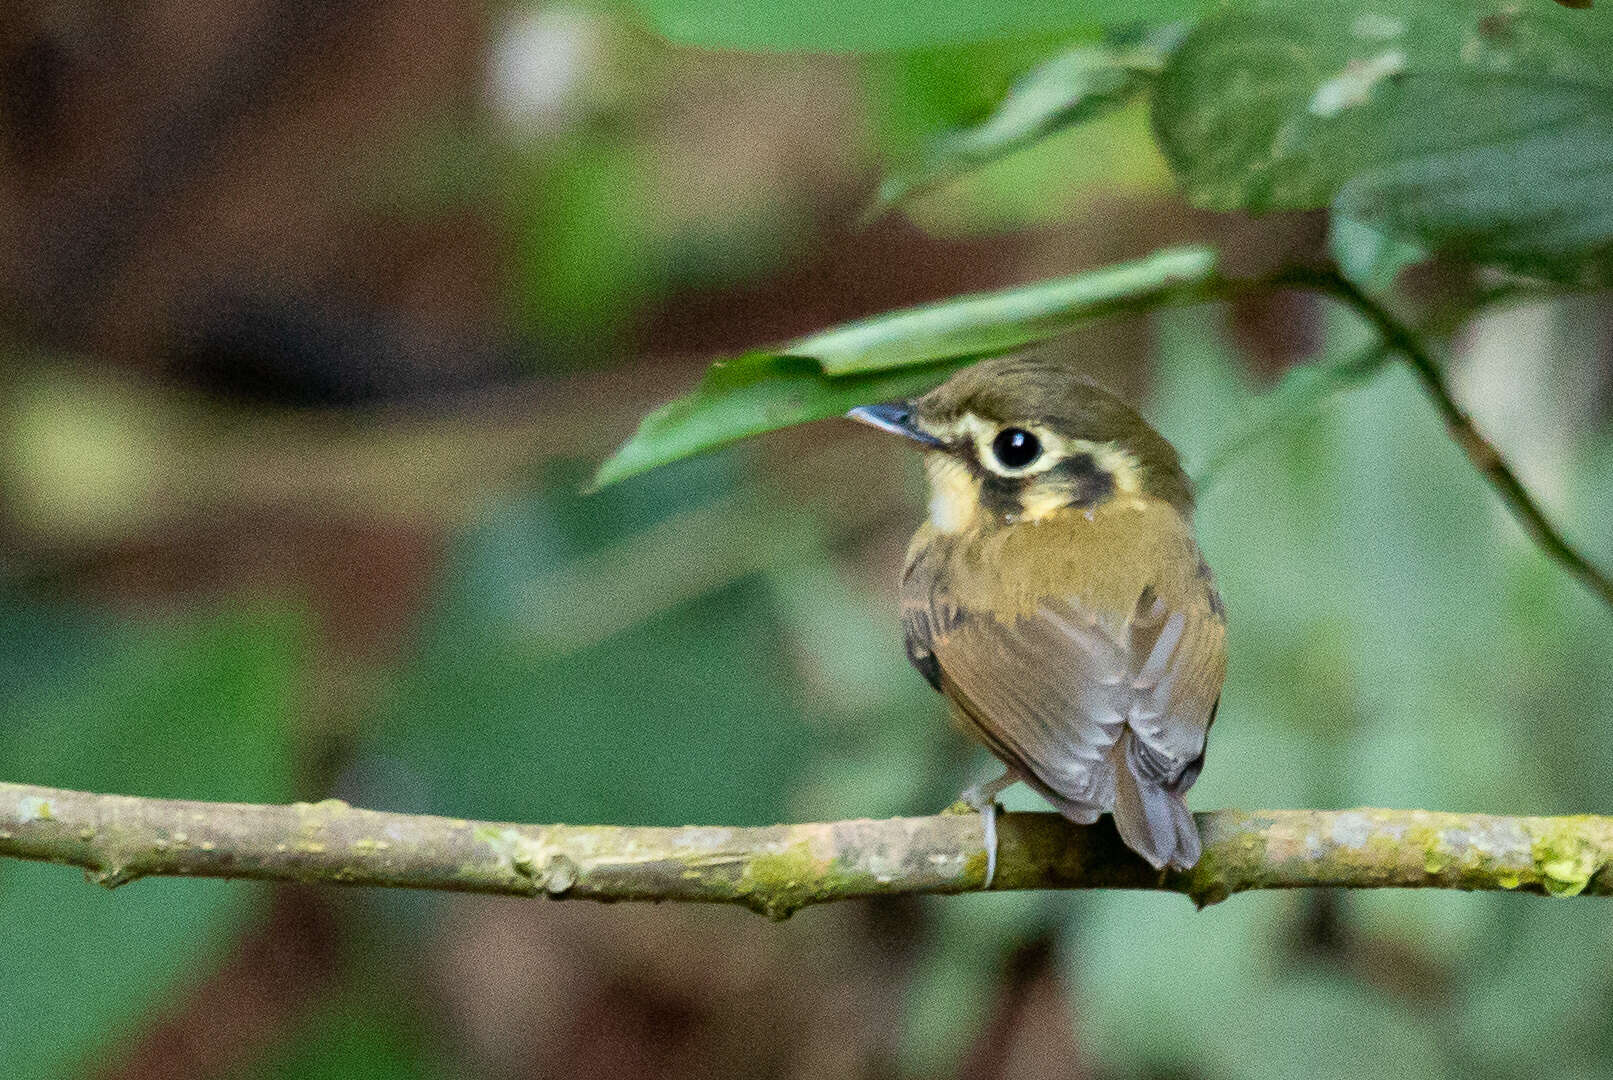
x,y
778,869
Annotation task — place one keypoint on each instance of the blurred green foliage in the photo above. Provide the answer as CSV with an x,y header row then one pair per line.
x,y
361,1032
202,709
563,736
688,645
921,99
838,25
1071,88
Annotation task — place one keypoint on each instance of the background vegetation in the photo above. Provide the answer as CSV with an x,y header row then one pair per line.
x,y
317,322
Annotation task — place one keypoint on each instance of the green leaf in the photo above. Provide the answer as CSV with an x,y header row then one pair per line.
x,y
751,394
1540,203
894,355
198,711
1480,129
986,324
880,25
1067,90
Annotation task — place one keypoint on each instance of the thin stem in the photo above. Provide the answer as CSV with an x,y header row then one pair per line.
x,y
1479,451
779,869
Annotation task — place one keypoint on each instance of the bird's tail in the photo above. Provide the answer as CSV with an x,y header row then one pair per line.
x,y
1152,818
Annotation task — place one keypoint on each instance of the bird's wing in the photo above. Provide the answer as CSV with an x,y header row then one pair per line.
x,y
1098,712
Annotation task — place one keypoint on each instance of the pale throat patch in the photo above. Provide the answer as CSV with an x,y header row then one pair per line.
x,y
954,493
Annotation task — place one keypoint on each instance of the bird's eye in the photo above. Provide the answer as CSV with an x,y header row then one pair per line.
x,y
1016,448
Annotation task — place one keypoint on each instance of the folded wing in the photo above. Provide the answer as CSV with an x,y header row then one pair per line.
x,y
1099,712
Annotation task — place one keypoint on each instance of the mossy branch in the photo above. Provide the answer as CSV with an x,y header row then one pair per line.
x,y
779,869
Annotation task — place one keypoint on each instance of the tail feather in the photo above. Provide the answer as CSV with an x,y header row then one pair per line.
x,y
1153,819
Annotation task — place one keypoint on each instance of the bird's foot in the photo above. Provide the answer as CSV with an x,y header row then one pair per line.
x,y
988,825
982,799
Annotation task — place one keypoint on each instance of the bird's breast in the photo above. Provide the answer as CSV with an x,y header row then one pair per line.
x,y
1101,556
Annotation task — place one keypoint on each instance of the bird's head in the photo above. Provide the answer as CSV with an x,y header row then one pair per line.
x,y
1014,439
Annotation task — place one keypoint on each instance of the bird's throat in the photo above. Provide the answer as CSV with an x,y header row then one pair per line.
x,y
954,494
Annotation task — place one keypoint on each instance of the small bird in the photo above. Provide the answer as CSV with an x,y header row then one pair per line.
x,y
1056,595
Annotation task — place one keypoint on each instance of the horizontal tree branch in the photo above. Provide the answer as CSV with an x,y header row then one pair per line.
x,y
779,869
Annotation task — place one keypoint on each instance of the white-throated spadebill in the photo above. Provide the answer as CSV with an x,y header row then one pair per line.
x,y
1056,595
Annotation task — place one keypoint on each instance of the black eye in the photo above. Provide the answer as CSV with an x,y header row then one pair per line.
x,y
1016,447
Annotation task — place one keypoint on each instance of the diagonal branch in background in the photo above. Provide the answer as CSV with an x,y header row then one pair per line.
x,y
1479,450
779,869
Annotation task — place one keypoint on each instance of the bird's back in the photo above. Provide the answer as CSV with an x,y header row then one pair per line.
x,y
1099,688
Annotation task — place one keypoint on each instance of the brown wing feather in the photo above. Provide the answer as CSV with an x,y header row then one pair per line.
x,y
1100,710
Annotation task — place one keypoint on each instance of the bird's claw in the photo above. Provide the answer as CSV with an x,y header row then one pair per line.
x,y
985,804
982,799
